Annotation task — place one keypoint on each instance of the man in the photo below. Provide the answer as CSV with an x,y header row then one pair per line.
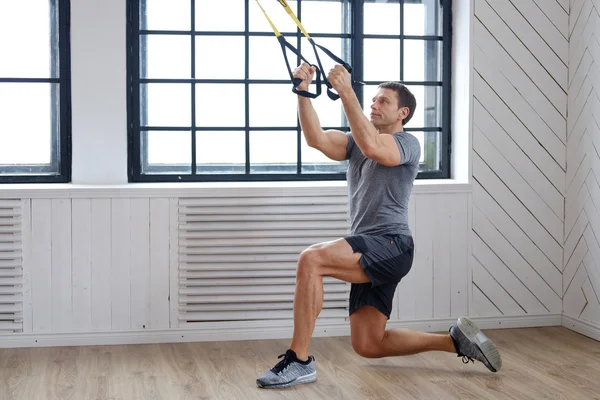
x,y
383,163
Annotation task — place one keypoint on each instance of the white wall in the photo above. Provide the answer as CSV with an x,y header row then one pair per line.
x,y
116,267
581,281
519,138
99,91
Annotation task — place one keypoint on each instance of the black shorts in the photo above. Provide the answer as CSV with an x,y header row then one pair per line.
x,y
385,260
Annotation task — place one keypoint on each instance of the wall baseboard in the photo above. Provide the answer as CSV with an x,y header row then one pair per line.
x,y
252,331
584,327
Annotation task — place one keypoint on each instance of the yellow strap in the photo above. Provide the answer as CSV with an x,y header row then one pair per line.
x,y
291,13
268,19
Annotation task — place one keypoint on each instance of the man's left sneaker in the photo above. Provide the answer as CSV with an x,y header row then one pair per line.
x,y
289,372
472,344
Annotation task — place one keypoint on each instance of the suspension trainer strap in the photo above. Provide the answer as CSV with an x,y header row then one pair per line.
x,y
319,69
332,95
285,44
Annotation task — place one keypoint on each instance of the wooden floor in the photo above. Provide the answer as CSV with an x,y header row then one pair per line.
x,y
539,363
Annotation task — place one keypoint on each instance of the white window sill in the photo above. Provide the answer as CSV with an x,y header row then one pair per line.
x,y
202,189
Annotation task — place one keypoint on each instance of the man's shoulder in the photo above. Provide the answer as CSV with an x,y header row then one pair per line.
x,y
410,147
407,136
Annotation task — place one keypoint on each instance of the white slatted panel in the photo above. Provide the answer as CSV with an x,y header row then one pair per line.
x,y
521,56
437,285
581,278
98,264
238,255
11,271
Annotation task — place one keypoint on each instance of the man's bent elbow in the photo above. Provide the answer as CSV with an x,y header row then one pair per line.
x,y
382,157
371,152
314,139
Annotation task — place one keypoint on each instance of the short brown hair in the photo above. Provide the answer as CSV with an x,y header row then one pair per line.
x,y
405,97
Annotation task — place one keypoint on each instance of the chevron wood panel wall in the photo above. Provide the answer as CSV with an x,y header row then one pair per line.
x,y
521,80
581,278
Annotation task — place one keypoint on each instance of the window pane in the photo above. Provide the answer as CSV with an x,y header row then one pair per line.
x,y
220,152
169,149
431,150
315,162
273,105
214,63
382,18
330,113
172,15
422,60
423,17
339,47
429,107
168,56
221,15
273,152
323,17
421,137
226,114
382,59
277,14
266,58
25,44
23,139
220,105
169,104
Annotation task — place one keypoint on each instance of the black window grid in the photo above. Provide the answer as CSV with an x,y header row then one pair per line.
x,y
59,168
140,171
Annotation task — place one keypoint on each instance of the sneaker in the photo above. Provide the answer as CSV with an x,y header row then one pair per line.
x,y
472,344
289,372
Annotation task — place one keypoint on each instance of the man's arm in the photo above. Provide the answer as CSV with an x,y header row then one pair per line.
x,y
381,148
332,143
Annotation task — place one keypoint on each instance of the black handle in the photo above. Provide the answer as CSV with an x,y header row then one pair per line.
x,y
298,81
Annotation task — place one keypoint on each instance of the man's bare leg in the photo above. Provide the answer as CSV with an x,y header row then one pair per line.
x,y
335,259
326,259
370,339
308,303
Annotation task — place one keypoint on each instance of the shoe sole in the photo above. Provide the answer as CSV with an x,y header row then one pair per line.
x,y
485,345
300,380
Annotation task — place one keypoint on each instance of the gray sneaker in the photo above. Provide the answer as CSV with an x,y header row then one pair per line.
x,y
471,343
289,372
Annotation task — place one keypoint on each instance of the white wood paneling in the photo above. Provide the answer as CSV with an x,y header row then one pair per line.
x,y
437,285
40,266
581,278
61,286
140,264
521,77
129,264
101,261
98,265
159,258
81,262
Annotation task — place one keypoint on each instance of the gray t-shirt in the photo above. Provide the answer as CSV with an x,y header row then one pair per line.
x,y
379,195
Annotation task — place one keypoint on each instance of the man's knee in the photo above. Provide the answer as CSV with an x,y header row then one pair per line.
x,y
310,260
367,346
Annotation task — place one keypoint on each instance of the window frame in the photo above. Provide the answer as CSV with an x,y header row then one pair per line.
x,y
60,168
134,81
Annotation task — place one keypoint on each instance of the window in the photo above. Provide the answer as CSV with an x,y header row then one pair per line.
x,y
35,103
210,95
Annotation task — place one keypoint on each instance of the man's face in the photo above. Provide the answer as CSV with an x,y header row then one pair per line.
x,y
385,110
